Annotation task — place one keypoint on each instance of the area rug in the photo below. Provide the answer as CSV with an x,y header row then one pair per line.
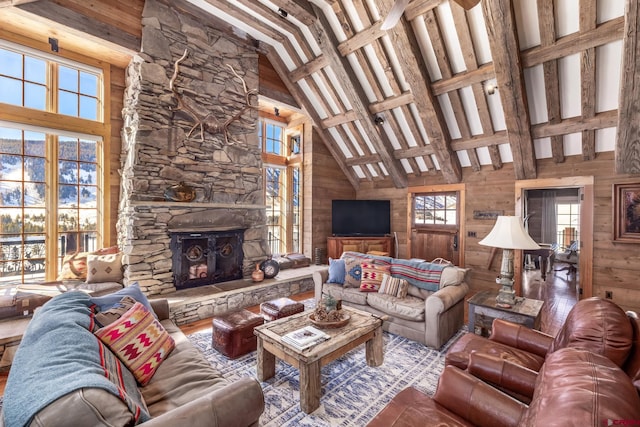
x,y
352,392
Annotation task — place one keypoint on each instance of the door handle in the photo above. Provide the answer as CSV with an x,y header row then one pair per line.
x,y
455,242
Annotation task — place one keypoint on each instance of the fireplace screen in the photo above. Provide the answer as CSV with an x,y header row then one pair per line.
x,y
206,258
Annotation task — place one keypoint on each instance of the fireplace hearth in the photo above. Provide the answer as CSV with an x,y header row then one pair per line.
x,y
205,258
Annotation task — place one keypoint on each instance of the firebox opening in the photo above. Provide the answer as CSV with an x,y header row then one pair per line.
x,y
205,258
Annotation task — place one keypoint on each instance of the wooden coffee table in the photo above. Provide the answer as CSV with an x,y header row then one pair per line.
x,y
363,328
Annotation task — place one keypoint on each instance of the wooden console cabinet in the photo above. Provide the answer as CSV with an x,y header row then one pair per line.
x,y
337,245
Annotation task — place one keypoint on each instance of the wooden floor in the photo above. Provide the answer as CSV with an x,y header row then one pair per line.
x,y
558,292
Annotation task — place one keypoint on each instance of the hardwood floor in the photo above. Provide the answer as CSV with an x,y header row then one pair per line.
x,y
558,292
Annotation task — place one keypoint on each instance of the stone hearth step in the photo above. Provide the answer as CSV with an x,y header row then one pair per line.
x,y
190,305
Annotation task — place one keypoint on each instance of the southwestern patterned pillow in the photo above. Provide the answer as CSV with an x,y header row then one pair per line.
x,y
139,341
372,276
393,286
104,318
353,272
104,268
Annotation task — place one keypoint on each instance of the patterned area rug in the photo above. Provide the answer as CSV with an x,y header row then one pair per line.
x,y
352,392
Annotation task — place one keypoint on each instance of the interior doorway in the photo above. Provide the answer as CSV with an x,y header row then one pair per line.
x,y
568,217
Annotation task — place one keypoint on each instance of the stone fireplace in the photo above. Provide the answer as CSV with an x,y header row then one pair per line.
x,y
157,153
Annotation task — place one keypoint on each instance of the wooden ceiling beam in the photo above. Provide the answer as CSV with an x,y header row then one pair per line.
x,y
464,79
361,39
606,32
346,77
302,100
363,160
309,68
299,9
419,7
414,69
547,26
588,17
627,159
50,11
391,103
503,40
339,119
602,120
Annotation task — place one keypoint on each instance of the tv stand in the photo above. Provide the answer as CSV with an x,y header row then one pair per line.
x,y
337,245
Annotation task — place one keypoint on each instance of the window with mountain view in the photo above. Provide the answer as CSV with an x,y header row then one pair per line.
x,y
49,178
282,157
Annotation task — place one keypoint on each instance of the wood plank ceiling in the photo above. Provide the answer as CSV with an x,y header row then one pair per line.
x,y
447,88
415,100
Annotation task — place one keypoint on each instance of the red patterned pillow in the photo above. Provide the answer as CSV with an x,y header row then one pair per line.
x,y
139,341
372,276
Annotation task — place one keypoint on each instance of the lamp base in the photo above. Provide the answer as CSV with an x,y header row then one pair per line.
x,y
506,297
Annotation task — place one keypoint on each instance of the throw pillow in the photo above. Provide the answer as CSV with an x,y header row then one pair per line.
x,y
74,266
337,271
104,268
353,271
403,289
372,276
106,302
139,341
109,316
452,276
391,285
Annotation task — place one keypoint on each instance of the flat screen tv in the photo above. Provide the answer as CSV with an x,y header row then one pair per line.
x,y
361,218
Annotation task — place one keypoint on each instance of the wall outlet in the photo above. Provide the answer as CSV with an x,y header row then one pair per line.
x,y
608,295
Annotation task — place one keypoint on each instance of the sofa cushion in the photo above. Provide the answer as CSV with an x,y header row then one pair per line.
x,y
337,271
353,272
632,364
104,268
371,276
182,378
578,387
409,308
139,340
391,286
349,295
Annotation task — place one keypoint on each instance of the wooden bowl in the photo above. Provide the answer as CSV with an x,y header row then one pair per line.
x,y
329,325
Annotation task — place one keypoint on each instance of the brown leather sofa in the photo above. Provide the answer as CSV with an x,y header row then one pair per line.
x,y
185,390
587,375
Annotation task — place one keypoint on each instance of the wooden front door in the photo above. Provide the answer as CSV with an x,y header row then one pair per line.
x,y
435,226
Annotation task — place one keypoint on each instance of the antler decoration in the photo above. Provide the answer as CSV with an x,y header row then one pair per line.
x,y
207,122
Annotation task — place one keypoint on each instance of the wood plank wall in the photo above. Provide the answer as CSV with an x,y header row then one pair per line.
x,y
118,85
616,266
324,182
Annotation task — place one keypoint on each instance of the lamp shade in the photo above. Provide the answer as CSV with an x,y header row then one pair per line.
x,y
509,233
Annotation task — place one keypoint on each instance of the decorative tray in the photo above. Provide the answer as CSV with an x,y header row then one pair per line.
x,y
329,325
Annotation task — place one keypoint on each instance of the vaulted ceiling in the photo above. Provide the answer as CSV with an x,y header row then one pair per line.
x,y
448,88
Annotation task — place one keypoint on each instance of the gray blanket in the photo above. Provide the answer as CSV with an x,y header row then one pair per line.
x,y
60,354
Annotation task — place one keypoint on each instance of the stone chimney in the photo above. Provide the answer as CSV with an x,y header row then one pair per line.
x,y
158,152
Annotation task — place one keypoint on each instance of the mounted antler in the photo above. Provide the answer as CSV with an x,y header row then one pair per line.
x,y
208,123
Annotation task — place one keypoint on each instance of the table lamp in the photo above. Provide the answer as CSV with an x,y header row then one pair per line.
x,y
508,234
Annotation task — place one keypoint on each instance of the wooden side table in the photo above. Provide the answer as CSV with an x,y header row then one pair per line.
x,y
483,309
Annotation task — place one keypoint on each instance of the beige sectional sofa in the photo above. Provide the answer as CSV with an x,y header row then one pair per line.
x,y
185,389
431,317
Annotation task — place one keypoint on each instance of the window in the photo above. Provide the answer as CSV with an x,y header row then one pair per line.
x,y
50,179
568,223
435,209
282,157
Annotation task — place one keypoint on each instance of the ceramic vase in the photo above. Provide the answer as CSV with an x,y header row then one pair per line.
x,y
257,275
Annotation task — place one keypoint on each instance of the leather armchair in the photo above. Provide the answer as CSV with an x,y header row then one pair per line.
x,y
593,324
